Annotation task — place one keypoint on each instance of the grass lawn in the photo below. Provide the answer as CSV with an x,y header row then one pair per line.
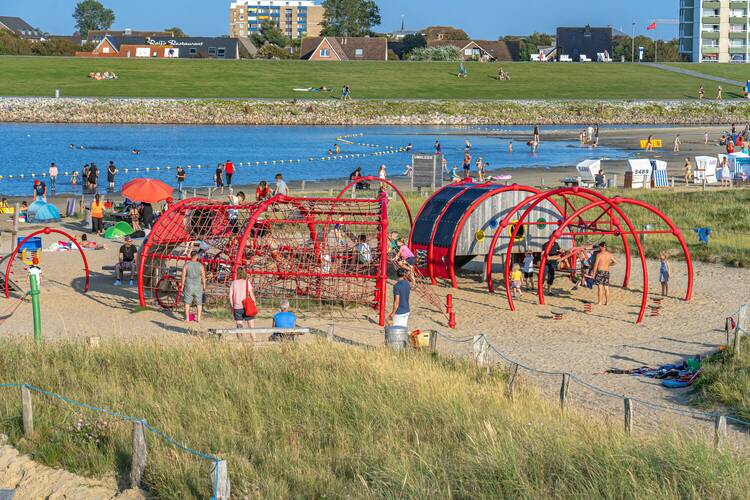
x,y
40,76
328,421
739,72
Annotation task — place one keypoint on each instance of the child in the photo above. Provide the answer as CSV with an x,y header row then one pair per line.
x,y
74,178
338,231
664,271
528,270
23,212
515,281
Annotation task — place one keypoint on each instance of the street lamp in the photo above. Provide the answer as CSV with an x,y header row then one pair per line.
x,y
632,49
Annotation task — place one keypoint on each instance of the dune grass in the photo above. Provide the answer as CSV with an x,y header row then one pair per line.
x,y
322,420
40,76
725,382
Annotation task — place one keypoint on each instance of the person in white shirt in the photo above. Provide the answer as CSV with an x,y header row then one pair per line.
x,y
53,176
281,187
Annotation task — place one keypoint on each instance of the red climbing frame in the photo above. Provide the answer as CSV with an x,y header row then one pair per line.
x,y
45,231
590,228
372,178
306,250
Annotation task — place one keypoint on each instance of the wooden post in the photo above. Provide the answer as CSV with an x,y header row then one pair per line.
x,y
628,416
481,351
27,411
433,341
720,431
140,453
83,207
329,334
740,328
513,379
303,186
220,480
564,390
14,233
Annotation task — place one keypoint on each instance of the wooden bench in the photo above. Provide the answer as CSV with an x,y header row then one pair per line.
x,y
246,334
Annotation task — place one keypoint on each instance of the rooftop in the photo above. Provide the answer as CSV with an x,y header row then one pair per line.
x,y
18,25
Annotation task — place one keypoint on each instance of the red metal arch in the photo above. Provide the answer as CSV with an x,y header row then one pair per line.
x,y
383,181
533,202
556,235
46,230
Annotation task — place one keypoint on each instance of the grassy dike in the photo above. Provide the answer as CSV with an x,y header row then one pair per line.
x,y
323,420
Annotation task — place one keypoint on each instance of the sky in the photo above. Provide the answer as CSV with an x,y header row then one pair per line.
x,y
481,19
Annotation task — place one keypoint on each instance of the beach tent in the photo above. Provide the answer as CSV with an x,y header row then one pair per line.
x,y
588,169
705,169
119,230
41,211
641,170
661,179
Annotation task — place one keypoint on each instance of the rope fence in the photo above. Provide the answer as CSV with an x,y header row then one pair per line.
x,y
218,473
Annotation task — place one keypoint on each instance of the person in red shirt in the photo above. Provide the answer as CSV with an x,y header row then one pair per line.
x,y
229,171
730,146
262,192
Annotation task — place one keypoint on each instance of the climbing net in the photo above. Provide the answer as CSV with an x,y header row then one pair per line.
x,y
314,252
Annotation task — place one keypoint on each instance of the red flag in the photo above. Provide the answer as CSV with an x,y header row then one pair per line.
x,y
651,26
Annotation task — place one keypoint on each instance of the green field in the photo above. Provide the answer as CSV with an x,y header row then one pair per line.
x,y
325,421
739,72
40,76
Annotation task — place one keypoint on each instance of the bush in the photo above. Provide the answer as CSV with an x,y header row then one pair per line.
x,y
12,44
392,56
449,53
269,51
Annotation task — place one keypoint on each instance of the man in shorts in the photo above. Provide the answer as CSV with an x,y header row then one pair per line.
x,y
604,260
401,291
126,261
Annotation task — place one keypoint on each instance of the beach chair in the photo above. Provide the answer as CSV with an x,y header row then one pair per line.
x,y
706,170
587,171
660,176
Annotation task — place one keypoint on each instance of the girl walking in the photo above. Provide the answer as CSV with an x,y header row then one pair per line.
x,y
664,270
516,279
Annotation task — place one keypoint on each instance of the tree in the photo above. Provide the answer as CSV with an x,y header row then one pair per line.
x,y
668,50
411,42
177,32
269,33
92,15
350,17
445,53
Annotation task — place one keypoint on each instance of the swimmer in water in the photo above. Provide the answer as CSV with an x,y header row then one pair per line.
x,y
136,151
72,146
81,147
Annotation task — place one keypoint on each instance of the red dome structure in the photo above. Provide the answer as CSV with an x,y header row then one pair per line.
x,y
312,251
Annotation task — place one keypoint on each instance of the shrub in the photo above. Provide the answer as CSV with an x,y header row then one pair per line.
x,y
449,53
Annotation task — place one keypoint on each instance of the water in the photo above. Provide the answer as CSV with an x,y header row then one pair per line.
x,y
29,148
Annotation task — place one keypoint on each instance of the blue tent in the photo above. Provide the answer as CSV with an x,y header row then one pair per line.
x,y
41,211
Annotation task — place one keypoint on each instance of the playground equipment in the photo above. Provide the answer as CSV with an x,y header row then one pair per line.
x,y
458,222
22,244
318,251
610,220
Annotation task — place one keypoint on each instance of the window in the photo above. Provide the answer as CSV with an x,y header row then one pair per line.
x,y
193,51
359,52
221,52
105,50
324,53
468,52
212,51
736,42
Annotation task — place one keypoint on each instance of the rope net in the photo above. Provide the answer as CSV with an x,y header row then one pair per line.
x,y
318,253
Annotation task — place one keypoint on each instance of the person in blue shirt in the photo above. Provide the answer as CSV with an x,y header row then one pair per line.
x,y
283,319
401,291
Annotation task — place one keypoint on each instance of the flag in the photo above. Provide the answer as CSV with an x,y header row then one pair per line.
x,y
651,26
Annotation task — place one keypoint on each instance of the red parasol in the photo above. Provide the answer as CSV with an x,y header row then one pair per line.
x,y
146,190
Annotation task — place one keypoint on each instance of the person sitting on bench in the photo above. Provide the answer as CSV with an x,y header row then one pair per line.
x,y
284,319
357,174
126,261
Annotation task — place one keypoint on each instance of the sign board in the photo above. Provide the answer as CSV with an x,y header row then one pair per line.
x,y
427,171
655,143
641,170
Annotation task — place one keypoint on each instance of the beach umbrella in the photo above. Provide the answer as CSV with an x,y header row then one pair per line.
x,y
146,190
119,230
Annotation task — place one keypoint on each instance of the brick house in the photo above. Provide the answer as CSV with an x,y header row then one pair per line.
x,y
344,49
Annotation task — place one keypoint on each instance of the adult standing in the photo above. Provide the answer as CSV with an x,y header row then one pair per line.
x,y
239,290
719,92
382,174
180,179
281,186
53,177
85,177
218,180
467,164
111,171
97,215
688,171
401,292
536,134
438,147
601,273
40,190
147,215
726,176
550,267
193,283
93,177
229,172
677,143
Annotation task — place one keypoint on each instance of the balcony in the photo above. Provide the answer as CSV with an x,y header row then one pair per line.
x,y
712,5
710,20
734,35
710,50
711,35
734,4
738,50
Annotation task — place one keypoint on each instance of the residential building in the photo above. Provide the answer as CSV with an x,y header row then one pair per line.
x,y
165,47
331,48
96,36
295,18
21,28
482,50
714,31
586,41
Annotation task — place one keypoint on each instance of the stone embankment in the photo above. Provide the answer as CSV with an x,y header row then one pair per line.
x,y
368,112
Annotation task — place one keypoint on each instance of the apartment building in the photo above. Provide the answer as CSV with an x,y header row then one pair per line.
x,y
715,31
295,18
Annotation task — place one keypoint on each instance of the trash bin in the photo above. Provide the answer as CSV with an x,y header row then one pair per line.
x,y
396,337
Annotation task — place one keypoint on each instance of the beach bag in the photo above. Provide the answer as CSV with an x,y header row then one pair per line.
x,y
251,310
